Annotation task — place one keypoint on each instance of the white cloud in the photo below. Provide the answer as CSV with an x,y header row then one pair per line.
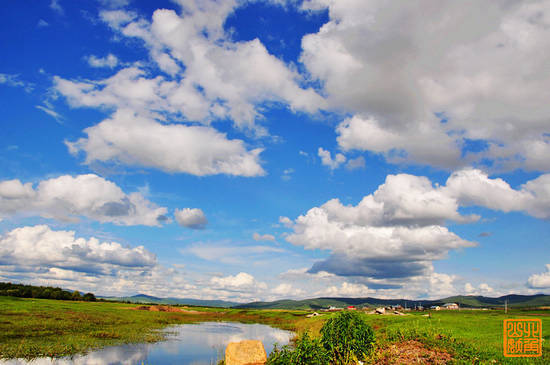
x,y
41,256
37,247
474,187
109,61
429,144
540,281
287,174
346,290
191,218
15,81
42,23
242,282
286,290
232,75
137,140
52,113
482,289
287,222
263,237
67,198
394,235
54,5
327,160
113,4
356,163
395,67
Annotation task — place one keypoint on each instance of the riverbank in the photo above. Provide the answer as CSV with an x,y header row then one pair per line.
x,y
32,328
39,327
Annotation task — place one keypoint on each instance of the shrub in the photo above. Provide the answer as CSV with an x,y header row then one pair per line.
x,y
347,338
306,351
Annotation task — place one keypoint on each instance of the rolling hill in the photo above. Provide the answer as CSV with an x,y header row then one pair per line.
x,y
465,301
148,299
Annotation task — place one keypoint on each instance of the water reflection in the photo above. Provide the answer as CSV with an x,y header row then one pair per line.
x,y
193,344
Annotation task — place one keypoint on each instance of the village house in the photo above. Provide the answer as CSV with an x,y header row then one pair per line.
x,y
450,306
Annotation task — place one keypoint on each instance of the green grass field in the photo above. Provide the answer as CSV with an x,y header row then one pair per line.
x,y
38,327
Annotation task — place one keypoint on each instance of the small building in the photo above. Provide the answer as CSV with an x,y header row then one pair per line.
x,y
450,306
350,308
334,309
435,307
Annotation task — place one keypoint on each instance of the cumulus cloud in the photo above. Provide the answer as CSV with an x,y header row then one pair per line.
x,y
231,74
137,140
395,233
263,237
482,289
191,218
474,187
327,160
346,290
68,198
242,282
37,247
286,291
540,281
287,222
424,79
109,61
42,256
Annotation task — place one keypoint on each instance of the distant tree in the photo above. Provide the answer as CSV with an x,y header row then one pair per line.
x,y
89,297
76,295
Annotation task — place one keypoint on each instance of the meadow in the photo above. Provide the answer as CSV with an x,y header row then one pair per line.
x,y
41,327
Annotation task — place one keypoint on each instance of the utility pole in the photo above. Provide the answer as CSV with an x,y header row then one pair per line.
x,y
506,306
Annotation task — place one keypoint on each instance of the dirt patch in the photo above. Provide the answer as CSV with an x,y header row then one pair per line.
x,y
412,352
165,308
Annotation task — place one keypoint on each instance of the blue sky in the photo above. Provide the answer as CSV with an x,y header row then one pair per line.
x,y
258,150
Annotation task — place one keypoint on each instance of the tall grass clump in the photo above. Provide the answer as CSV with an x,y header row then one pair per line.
x,y
306,351
345,339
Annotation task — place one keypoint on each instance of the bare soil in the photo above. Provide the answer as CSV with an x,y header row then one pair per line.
x,y
412,352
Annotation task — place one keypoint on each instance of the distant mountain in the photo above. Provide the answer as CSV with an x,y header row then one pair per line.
x,y
148,299
465,301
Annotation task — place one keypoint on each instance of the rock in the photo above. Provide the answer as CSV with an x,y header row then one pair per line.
x,y
380,310
247,352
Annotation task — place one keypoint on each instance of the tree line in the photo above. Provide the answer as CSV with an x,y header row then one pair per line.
x,y
43,292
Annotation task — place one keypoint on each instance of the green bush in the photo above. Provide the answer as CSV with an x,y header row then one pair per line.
x,y
347,338
306,351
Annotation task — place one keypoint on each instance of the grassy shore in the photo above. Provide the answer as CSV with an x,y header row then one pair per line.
x,y
38,327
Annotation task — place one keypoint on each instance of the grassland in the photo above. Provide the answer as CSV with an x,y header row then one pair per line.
x,y
37,327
